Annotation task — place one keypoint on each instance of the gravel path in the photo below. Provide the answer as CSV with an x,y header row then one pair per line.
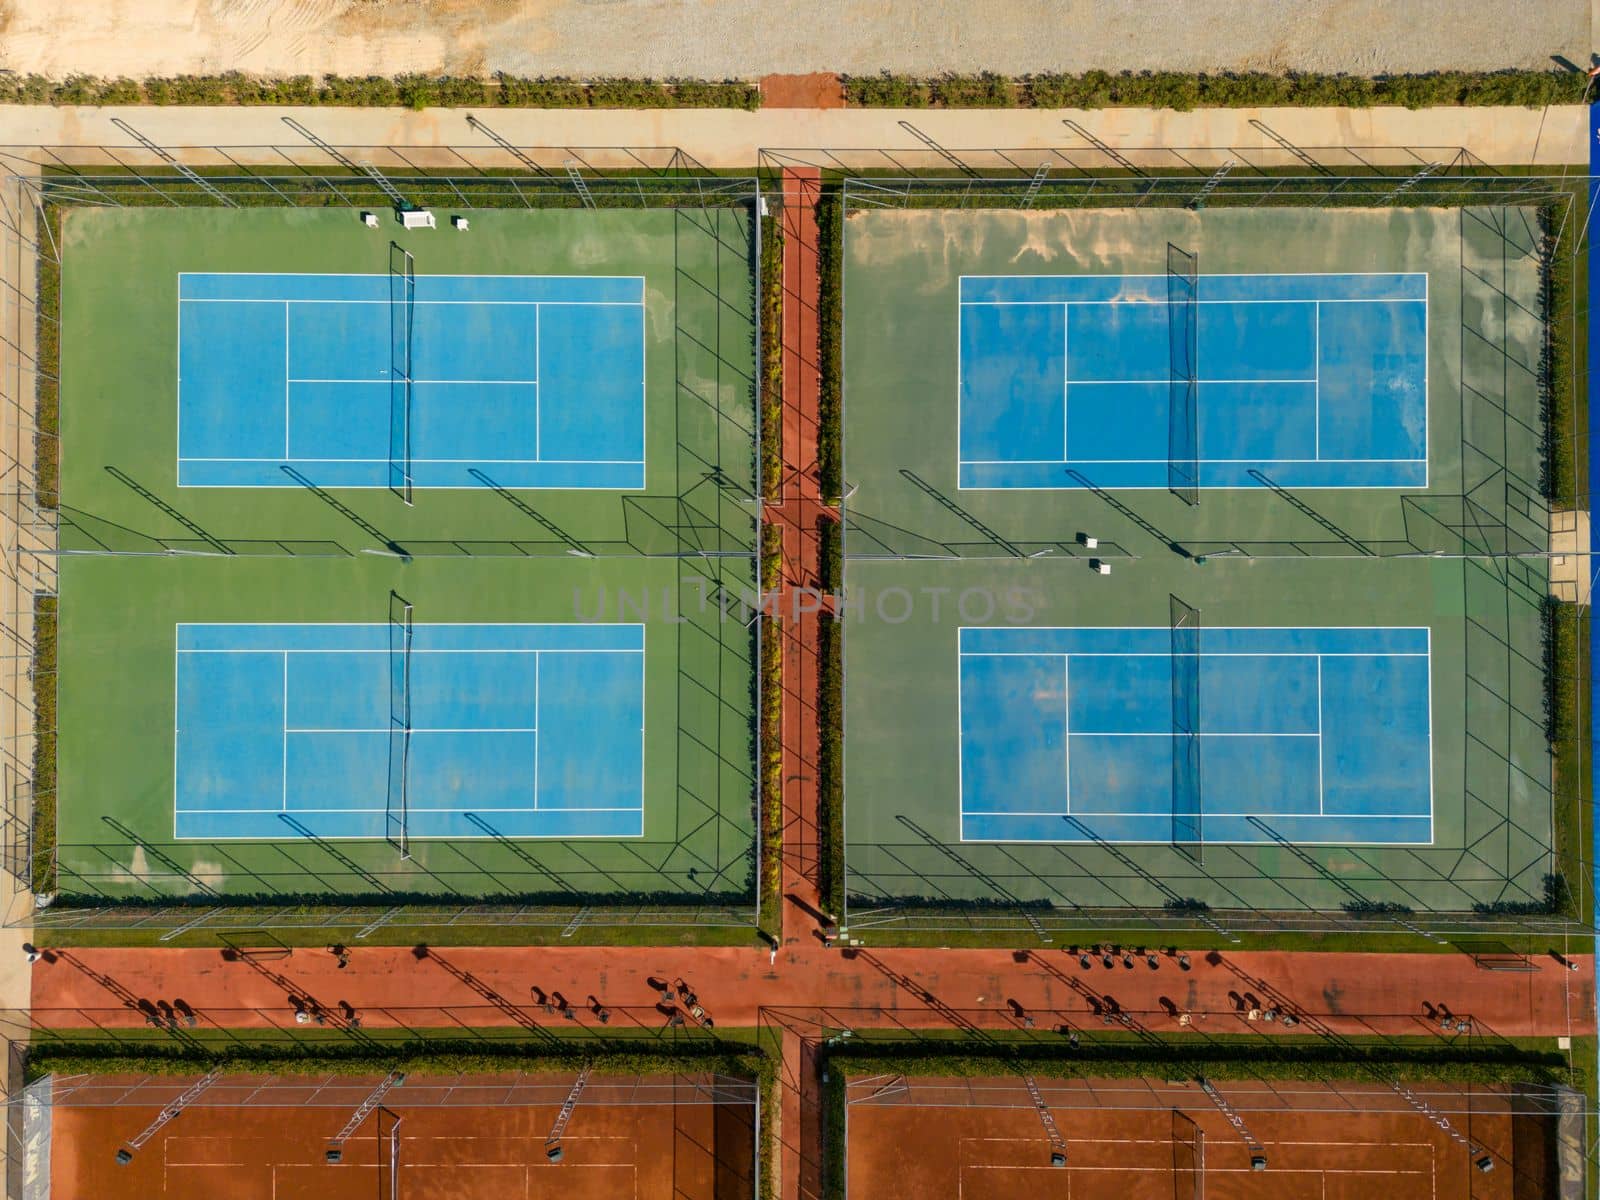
x,y
748,38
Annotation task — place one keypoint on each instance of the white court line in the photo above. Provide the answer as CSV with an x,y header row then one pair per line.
x,y
1066,381
288,301
1121,302
1157,301
635,810
439,729
1066,723
538,395
1057,628
1094,462
1126,382
1321,786
413,808
1160,653
1058,487
541,624
1316,395
384,382
536,660
1123,733
285,380
639,279
1160,813
1320,813
1142,814
285,733
430,303
526,462
1118,275
343,650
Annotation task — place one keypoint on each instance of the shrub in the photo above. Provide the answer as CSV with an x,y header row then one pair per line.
x,y
697,93
975,91
629,93
120,91
886,91
78,89
453,92
368,90
200,89
1245,89
415,91
516,92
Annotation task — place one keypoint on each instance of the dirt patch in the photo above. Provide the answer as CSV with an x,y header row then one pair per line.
x,y
819,89
715,39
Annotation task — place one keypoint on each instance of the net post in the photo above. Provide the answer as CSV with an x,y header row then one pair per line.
x,y
1183,386
1187,832
402,307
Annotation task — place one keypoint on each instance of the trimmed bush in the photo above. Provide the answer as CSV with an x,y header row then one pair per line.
x,y
1246,89
975,91
415,91
886,91
516,92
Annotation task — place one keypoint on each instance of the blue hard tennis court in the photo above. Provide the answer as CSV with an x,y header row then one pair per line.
x,y
1313,380
335,731
437,381
1321,735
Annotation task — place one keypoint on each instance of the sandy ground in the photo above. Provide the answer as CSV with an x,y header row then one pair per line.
x,y
748,38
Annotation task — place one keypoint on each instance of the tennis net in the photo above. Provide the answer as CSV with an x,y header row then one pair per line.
x,y
1188,1158
402,308
1186,797
397,808
1183,353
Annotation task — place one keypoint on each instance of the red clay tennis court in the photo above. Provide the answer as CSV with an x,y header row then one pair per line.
x,y
440,1137
1132,1139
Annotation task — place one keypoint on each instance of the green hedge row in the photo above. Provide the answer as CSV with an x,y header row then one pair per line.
x,y
1091,89
44,745
379,91
1242,1059
1183,91
47,1060
830,467
46,490
772,354
830,314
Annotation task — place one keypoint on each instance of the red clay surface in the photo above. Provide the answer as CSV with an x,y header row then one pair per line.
x,y
915,1151
1396,994
820,89
614,1152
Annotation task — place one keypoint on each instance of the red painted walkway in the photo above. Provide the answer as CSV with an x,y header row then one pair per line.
x,y
914,988
797,514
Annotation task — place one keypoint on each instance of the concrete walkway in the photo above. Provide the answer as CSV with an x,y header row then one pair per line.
x,y
726,138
